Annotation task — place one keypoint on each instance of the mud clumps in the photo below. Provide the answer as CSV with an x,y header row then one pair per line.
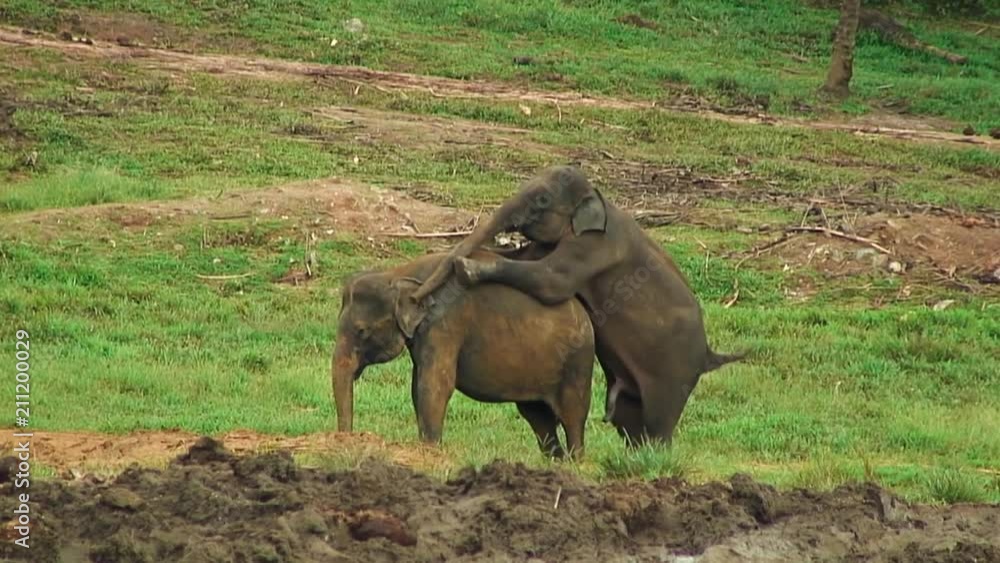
x,y
205,450
212,505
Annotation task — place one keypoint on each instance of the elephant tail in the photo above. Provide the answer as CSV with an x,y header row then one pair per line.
x,y
715,361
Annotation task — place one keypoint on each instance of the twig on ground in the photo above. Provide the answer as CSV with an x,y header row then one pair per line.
x,y
358,84
736,295
805,214
843,235
233,216
429,235
558,496
767,247
223,278
948,276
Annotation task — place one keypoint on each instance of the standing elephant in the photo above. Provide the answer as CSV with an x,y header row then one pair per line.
x,y
492,342
647,322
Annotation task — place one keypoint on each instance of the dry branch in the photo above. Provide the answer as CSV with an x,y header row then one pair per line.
x,y
841,234
223,278
451,234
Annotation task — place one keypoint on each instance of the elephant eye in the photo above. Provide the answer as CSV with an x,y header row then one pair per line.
x,y
363,331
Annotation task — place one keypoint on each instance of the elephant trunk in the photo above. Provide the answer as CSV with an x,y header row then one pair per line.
x,y
344,369
503,219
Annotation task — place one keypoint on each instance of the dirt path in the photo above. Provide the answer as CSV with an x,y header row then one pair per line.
x,y
74,454
211,505
435,86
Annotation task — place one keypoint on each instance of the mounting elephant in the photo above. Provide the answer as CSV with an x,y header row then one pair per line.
x,y
648,324
492,342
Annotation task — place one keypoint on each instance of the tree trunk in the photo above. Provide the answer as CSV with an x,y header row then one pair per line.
x,y
838,80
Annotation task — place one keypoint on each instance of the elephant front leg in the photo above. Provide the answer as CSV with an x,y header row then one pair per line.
x,y
431,390
553,279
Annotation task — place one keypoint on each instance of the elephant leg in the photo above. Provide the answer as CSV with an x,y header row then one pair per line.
x,y
544,423
432,389
572,410
628,419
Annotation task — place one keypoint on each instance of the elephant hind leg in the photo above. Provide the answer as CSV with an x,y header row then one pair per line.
x,y
544,423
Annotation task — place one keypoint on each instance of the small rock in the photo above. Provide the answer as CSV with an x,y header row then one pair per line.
x,y
524,60
896,267
178,247
968,131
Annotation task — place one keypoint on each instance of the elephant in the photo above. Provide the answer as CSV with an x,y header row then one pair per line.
x,y
614,389
648,323
491,342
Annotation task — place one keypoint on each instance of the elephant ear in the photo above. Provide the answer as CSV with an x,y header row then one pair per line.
x,y
591,214
409,313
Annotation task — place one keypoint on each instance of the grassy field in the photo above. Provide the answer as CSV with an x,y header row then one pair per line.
x,y
861,380
771,57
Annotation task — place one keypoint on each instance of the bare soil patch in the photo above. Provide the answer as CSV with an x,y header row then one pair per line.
x,y
330,206
922,249
123,29
646,185
422,131
211,505
74,454
436,86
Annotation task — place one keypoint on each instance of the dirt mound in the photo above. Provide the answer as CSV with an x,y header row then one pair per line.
x,y
922,247
212,505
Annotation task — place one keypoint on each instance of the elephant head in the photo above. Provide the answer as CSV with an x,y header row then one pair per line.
x,y
377,315
558,202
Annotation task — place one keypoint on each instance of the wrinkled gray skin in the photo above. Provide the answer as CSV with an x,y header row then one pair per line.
x,y
647,321
492,343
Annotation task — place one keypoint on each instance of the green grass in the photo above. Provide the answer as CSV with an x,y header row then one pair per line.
x,y
952,486
126,336
729,52
205,134
646,462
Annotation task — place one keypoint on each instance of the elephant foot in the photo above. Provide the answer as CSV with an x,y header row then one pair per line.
x,y
469,272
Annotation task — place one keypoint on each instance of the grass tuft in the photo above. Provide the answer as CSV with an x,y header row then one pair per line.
x,y
951,485
648,461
